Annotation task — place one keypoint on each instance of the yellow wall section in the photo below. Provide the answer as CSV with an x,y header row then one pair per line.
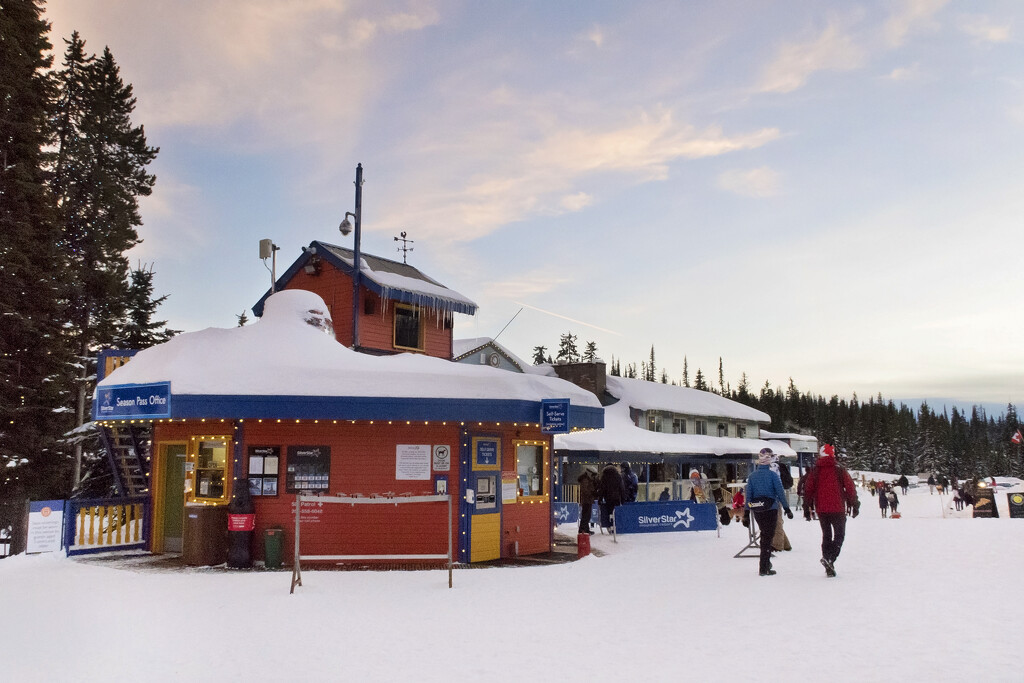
x,y
485,538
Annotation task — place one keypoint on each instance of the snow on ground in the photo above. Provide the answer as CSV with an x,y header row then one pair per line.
x,y
922,598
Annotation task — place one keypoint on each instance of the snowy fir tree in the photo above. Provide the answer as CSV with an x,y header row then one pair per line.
x,y
567,351
243,320
538,355
590,352
33,357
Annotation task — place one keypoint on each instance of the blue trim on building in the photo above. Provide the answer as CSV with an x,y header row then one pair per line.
x,y
188,406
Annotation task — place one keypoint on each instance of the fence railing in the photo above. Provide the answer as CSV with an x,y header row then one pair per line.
x,y
103,525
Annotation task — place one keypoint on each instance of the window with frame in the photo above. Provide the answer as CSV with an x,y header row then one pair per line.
x,y
678,425
530,469
700,427
723,429
741,431
211,468
408,327
654,421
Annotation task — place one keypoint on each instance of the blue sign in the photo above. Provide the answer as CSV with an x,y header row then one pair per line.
x,y
566,513
554,416
486,452
126,401
672,515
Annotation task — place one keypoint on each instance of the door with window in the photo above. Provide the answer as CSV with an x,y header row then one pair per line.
x,y
173,493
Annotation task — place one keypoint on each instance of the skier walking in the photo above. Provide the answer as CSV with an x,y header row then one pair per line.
x,y
831,491
764,496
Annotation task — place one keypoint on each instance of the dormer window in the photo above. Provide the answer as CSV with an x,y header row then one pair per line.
x,y
408,328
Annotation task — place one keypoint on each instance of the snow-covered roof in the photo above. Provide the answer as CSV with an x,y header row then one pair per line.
x,y
465,347
284,360
620,435
386,278
646,395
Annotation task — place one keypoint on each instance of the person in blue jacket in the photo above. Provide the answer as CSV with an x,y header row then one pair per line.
x,y
765,496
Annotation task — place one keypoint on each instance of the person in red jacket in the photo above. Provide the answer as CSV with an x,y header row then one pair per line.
x,y
830,492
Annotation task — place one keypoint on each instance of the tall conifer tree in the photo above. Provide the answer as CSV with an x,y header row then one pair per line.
x,y
99,175
31,350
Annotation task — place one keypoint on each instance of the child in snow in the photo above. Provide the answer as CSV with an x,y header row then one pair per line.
x,y
883,502
894,502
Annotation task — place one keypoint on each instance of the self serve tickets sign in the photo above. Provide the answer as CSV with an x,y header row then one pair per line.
x,y
133,401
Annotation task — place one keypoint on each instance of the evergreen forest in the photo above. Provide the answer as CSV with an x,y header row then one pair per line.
x,y
874,435
73,166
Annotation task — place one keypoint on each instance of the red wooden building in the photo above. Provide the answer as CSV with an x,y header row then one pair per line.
x,y
288,409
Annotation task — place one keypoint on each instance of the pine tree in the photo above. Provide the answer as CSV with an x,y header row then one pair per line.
x,y
138,329
650,368
590,352
721,377
686,373
32,354
538,354
698,381
567,351
98,177
243,320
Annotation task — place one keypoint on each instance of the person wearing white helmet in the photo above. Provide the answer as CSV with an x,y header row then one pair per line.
x,y
765,496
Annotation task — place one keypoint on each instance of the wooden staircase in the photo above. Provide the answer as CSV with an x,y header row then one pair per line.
x,y
128,451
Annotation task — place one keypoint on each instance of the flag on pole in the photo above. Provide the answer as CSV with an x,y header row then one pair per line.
x,y
1017,437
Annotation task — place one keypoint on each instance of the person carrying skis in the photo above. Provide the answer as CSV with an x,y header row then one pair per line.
x,y
764,496
830,490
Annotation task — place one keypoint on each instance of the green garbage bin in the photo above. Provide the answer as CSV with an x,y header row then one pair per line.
x,y
273,544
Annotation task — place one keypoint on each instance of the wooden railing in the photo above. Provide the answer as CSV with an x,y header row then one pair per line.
x,y
93,526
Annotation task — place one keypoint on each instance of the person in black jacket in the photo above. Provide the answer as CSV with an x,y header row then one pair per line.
x,y
630,481
589,485
612,493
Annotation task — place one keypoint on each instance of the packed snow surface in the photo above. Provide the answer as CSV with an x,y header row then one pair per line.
x,y
929,597
286,354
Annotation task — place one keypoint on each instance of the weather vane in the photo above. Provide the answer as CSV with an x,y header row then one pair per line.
x,y
405,248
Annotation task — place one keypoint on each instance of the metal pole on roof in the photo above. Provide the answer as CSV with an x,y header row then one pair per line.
x,y
357,257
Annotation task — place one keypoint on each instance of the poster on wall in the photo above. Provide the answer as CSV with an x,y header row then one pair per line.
x,y
412,462
263,470
308,469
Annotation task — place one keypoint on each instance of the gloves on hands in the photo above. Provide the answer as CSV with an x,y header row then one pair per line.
x,y
856,508
789,513
746,520
807,513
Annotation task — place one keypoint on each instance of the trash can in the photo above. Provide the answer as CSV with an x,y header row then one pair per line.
x,y
582,545
205,539
273,545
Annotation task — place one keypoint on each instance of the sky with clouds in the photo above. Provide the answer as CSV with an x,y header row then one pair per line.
x,y
828,191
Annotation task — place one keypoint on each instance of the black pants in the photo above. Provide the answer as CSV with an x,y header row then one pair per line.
x,y
833,531
585,512
607,509
766,521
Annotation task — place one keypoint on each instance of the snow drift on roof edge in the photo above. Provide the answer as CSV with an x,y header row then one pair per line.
x,y
283,355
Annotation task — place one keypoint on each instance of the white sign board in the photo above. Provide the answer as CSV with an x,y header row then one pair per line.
x,y
45,526
412,462
442,458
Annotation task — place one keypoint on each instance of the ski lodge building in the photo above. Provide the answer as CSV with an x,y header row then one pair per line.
x,y
344,387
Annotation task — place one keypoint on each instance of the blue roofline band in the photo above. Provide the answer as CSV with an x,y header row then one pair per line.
x,y
234,407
